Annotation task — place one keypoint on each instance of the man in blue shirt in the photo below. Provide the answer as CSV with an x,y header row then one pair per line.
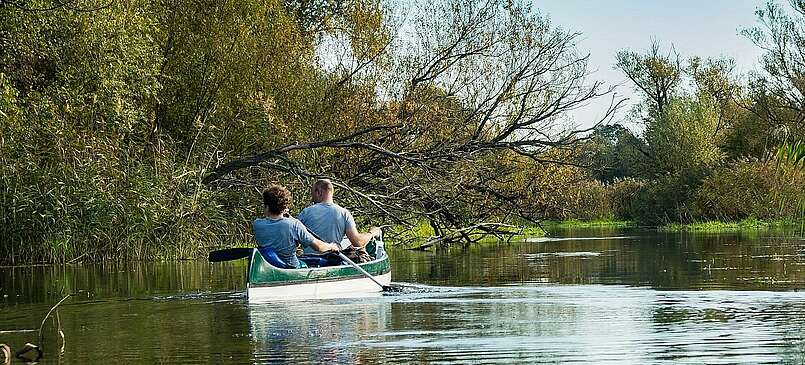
x,y
280,232
331,222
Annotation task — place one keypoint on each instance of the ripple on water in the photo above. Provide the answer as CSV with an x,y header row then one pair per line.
x,y
618,324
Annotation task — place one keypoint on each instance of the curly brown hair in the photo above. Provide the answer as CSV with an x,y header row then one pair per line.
x,y
277,198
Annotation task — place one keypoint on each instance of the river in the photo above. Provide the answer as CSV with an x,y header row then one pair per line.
x,y
586,295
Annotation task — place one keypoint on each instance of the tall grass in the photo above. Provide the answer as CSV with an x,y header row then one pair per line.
x,y
793,153
749,224
574,223
94,210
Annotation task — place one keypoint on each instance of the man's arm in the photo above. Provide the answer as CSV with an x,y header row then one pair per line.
x,y
361,239
322,246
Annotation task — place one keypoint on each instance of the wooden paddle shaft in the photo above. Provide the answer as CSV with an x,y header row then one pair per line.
x,y
364,272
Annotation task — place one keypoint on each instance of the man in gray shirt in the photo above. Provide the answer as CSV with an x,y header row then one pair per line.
x,y
331,222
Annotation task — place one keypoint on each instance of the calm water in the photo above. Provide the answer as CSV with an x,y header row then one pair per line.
x,y
603,296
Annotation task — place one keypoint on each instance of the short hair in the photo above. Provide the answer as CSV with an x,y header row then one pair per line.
x,y
277,198
323,185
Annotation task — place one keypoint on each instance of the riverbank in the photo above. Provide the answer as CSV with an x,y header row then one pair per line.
x,y
422,236
745,225
419,235
573,223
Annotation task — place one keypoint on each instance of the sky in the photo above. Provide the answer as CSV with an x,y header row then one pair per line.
x,y
705,28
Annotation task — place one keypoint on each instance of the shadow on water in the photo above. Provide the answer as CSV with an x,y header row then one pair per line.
x,y
634,297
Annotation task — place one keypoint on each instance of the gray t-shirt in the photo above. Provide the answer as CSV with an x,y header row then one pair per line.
x,y
281,235
329,221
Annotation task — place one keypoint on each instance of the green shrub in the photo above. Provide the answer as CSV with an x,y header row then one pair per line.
x,y
593,202
623,194
667,199
735,192
750,189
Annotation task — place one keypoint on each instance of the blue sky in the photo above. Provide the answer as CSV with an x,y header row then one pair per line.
x,y
706,28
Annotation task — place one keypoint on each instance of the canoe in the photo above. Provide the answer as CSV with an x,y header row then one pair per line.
x,y
266,282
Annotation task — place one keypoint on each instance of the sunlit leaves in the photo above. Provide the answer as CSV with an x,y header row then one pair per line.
x,y
792,153
686,136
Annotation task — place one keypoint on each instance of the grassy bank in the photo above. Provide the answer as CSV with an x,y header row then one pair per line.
x,y
422,233
749,224
745,225
589,224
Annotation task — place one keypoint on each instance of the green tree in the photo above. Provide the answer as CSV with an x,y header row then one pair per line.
x,y
684,129
685,137
613,152
162,118
656,75
780,95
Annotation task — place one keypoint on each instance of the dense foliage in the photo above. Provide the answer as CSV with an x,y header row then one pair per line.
x,y
145,128
711,146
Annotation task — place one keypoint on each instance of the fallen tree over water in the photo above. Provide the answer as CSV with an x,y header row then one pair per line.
x,y
477,104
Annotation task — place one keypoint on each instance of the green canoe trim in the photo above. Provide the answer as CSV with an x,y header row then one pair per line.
x,y
262,274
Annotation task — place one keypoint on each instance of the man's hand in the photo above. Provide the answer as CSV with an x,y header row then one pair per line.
x,y
321,246
361,239
375,231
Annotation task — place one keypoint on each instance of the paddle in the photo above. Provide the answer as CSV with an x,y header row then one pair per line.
x,y
347,260
230,254
368,275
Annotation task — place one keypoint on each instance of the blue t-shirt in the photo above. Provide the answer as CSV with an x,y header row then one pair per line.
x,y
281,235
329,221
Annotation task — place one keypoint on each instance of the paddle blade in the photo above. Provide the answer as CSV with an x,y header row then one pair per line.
x,y
230,254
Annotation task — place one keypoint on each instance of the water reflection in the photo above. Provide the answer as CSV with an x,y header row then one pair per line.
x,y
314,331
136,331
637,297
615,324
48,284
658,260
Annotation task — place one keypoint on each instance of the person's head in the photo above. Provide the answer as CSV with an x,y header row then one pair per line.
x,y
277,199
322,191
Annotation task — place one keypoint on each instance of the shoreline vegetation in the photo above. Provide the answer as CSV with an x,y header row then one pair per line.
x,y
575,223
424,235
145,130
745,225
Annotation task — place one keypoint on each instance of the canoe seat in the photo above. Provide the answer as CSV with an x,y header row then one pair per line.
x,y
313,261
273,259
321,259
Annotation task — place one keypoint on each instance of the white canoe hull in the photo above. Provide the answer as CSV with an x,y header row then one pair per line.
x,y
346,288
